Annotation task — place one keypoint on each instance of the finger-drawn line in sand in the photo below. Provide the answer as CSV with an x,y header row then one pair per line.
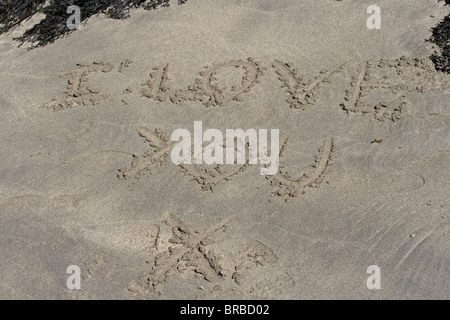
x,y
302,93
188,251
206,89
78,92
354,95
289,187
157,85
144,163
393,80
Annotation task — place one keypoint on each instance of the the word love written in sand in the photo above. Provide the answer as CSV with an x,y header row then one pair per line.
x,y
233,140
379,87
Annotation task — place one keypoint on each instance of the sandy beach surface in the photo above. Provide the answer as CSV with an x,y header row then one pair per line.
x,y
87,178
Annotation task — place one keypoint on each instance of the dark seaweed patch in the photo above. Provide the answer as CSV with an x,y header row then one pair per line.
x,y
441,37
53,26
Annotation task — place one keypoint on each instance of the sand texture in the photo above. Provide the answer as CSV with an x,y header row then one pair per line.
x,y
364,119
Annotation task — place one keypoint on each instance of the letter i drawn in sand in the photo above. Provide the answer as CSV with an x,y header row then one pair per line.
x,y
78,92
